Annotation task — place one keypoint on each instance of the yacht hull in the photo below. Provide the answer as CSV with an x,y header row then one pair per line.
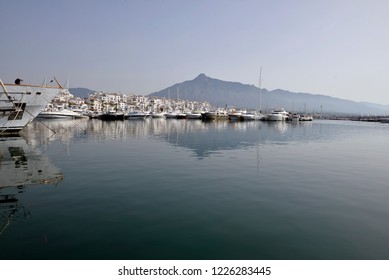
x,y
21,104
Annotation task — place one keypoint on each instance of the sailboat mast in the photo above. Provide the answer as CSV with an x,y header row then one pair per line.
x,y
67,83
260,81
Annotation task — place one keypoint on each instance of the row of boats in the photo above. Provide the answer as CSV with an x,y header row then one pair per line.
x,y
278,114
234,115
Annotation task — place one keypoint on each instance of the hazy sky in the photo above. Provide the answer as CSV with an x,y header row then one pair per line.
x,y
333,47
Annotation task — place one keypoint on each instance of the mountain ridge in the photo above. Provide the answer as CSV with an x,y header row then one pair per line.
x,y
81,92
235,94
221,93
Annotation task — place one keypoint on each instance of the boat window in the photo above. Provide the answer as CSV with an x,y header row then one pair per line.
x,y
18,113
38,93
28,92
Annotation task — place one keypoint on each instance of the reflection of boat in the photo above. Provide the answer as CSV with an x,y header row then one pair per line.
x,y
20,104
278,114
9,206
278,127
20,165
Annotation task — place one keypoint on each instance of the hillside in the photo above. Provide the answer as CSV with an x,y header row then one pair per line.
x,y
234,94
81,92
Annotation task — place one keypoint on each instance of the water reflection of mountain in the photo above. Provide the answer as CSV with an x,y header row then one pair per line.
x,y
21,165
203,138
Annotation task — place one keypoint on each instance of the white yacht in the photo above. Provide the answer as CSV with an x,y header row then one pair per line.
x,y
20,104
306,118
278,114
171,115
136,115
59,113
112,115
217,114
175,115
252,116
295,117
157,115
235,115
193,115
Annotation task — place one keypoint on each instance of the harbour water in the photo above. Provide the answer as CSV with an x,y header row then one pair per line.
x,y
189,189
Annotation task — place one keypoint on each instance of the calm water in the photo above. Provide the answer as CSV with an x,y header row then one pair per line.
x,y
182,189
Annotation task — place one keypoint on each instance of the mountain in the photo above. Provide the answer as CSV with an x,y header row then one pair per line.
x,y
81,92
238,95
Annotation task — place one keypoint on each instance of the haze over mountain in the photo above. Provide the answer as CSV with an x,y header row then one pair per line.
x,y
238,95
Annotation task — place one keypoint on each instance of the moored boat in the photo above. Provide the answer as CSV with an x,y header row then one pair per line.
x,y
112,115
59,113
236,115
278,114
94,114
21,104
252,116
305,118
171,115
157,115
181,115
295,117
175,115
212,115
136,115
193,115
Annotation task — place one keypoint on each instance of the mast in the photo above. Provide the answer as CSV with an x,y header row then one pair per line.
x,y
260,80
67,83
10,99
